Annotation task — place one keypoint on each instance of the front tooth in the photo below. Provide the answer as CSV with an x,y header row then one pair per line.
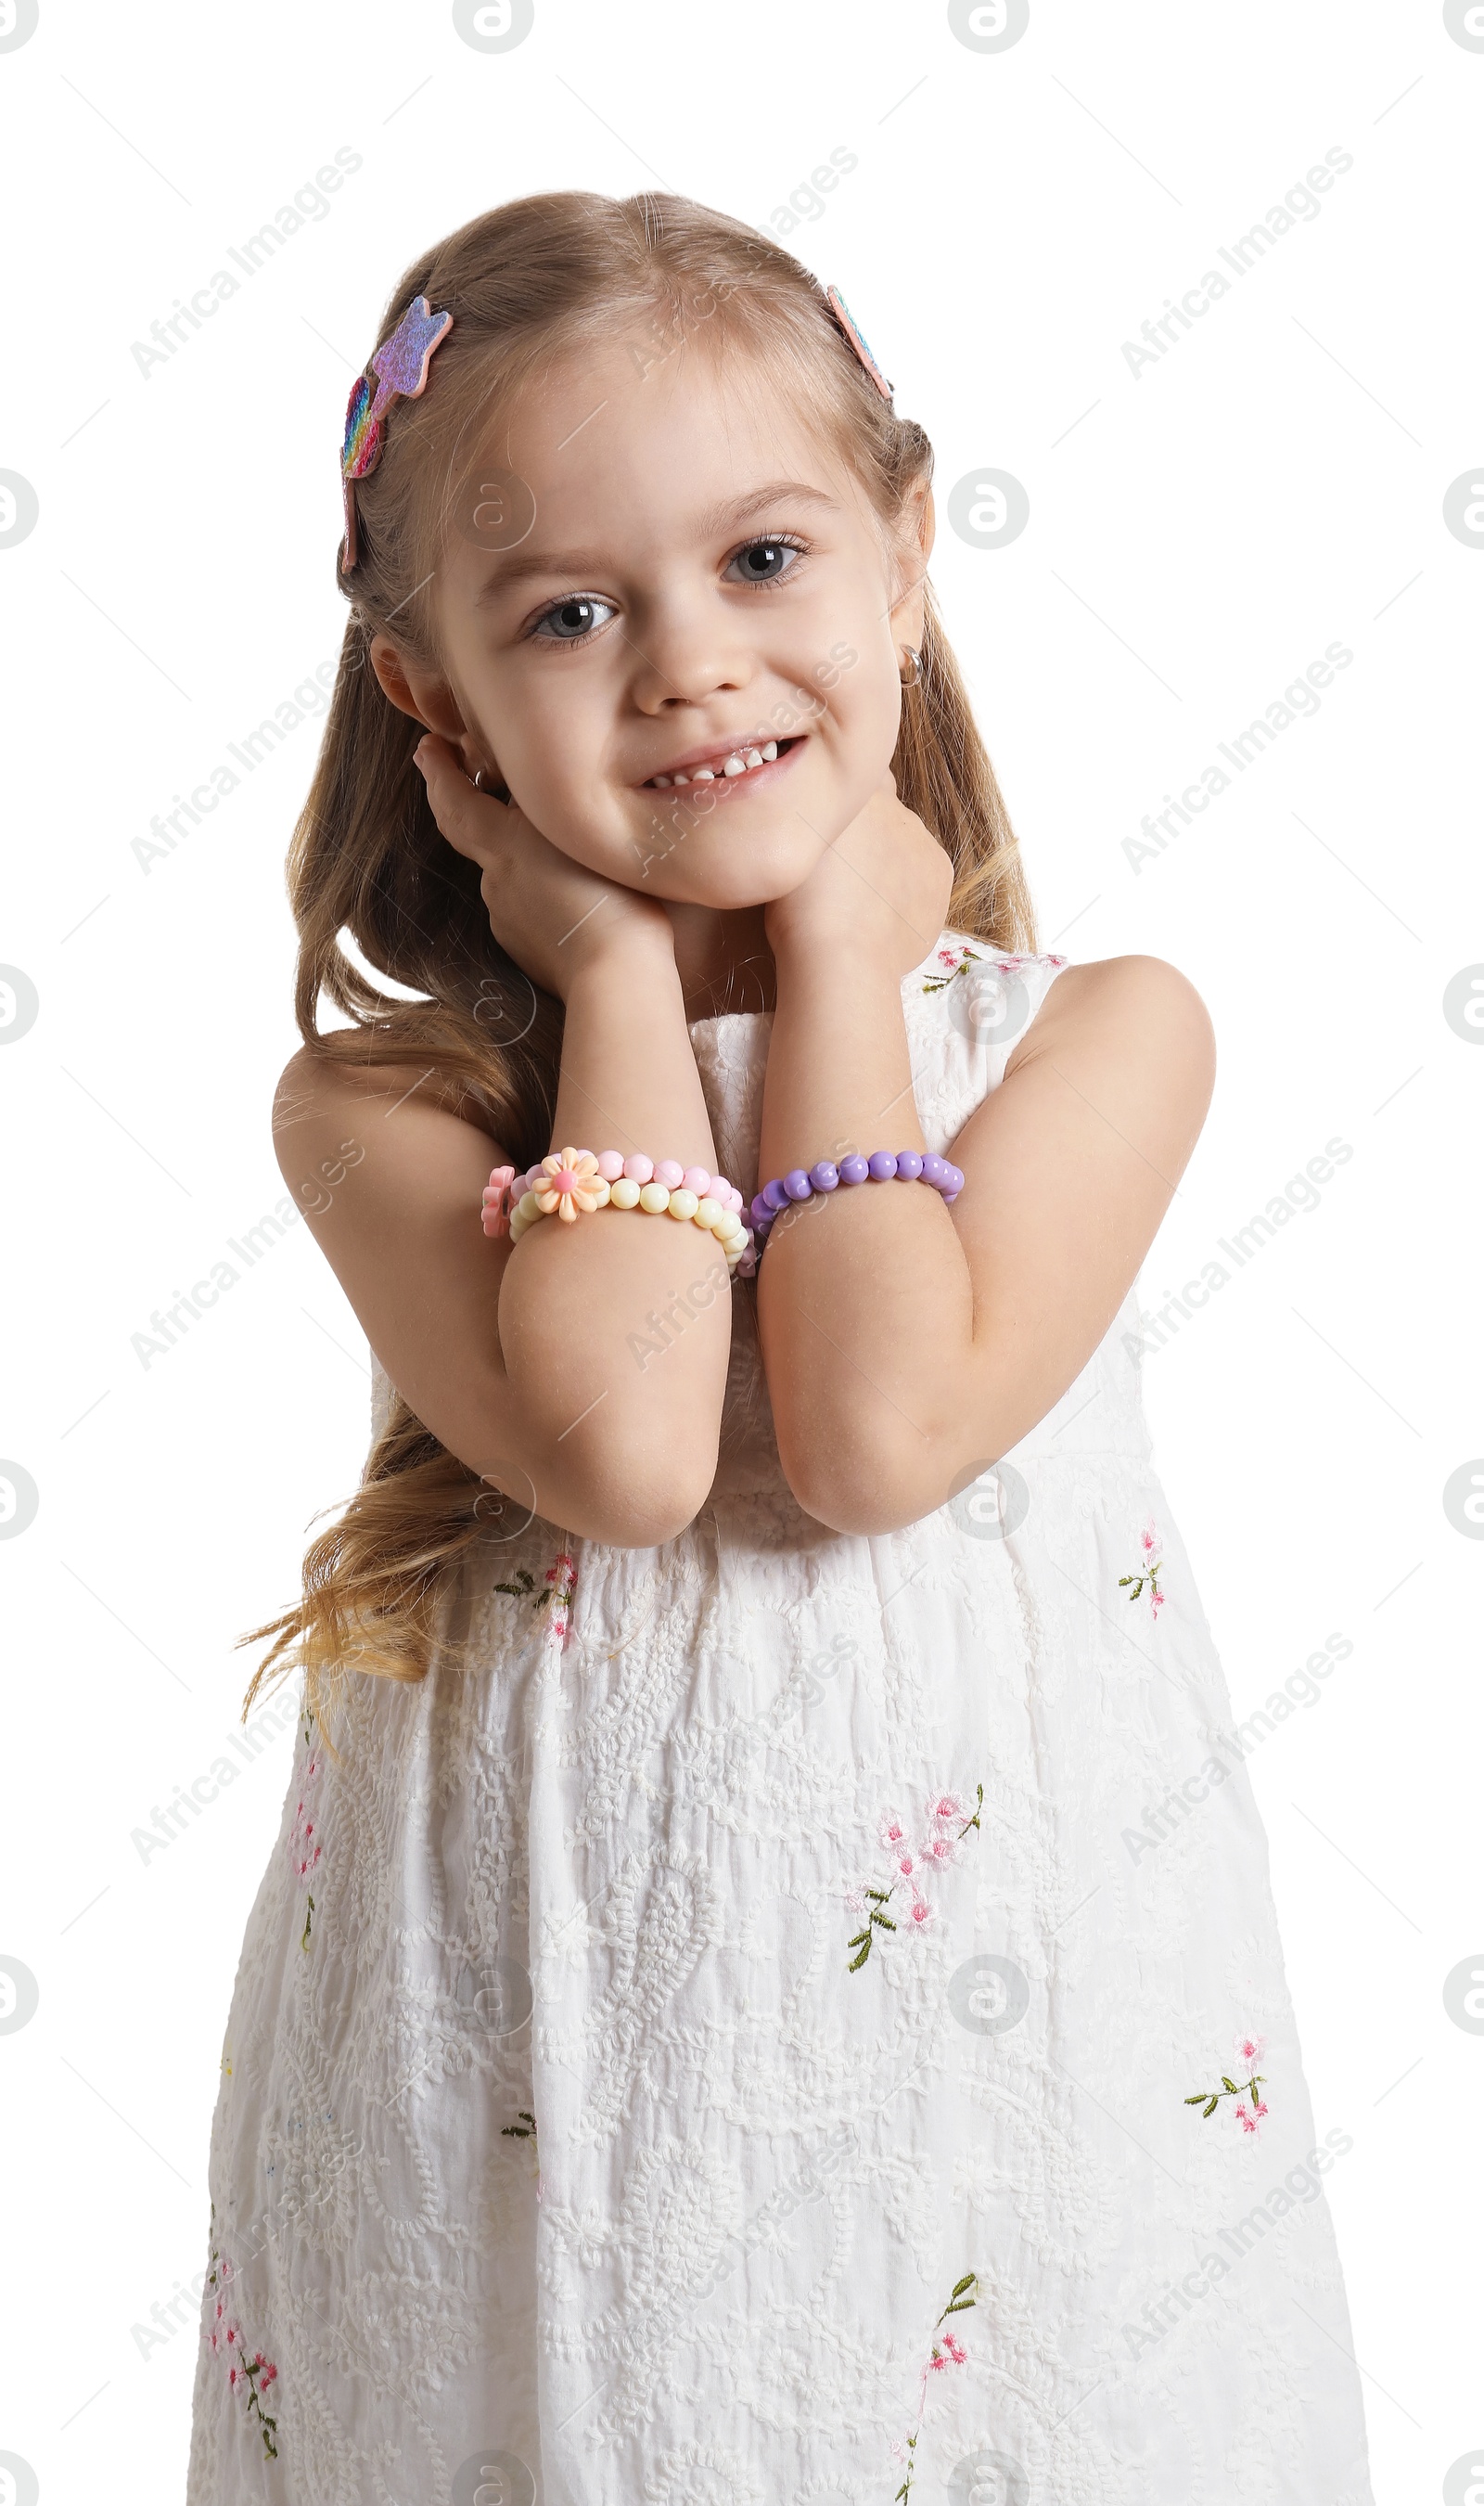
x,y
703,775
771,751
679,778
752,757
661,782
734,765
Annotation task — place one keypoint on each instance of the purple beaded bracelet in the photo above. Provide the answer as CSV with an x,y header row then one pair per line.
x,y
908,1165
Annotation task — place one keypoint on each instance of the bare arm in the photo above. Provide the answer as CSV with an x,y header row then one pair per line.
x,y
518,1360
905,1341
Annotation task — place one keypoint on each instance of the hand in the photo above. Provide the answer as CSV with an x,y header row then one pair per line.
x,y
551,915
884,884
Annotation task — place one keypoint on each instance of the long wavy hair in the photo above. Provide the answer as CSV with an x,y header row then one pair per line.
x,y
526,284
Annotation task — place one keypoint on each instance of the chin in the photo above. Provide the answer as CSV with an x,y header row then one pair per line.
x,y
740,874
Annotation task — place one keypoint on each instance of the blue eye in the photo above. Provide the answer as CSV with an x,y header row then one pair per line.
x,y
763,561
572,620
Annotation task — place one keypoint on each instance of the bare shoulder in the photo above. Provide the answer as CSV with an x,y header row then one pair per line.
x,y
328,1114
1129,1011
315,1087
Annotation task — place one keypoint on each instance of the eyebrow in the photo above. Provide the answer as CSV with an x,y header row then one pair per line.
x,y
571,564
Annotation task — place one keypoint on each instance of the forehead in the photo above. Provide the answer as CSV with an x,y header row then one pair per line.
x,y
624,440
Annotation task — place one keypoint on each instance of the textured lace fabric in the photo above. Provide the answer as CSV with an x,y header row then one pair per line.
x,y
788,2017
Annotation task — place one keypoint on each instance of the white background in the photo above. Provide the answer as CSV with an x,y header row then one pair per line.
x,y
1197,535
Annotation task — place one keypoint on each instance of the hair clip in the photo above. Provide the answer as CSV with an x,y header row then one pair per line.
x,y
856,339
401,368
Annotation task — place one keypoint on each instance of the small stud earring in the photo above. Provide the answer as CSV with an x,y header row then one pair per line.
x,y
914,671
487,780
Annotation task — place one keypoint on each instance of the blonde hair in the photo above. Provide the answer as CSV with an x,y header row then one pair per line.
x,y
525,284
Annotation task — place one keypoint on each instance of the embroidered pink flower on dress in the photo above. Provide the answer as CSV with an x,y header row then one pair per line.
x,y
908,1869
1250,2107
304,1847
573,1183
254,2375
1250,2048
561,1581
947,2352
1148,1570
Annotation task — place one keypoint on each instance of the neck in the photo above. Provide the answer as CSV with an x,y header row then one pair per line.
x,y
724,959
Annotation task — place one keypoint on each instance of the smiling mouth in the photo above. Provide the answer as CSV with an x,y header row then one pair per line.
x,y
728,766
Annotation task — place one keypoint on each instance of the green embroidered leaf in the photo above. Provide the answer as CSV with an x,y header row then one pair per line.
x,y
1198,2099
1229,2086
1255,2092
963,2306
884,1920
1212,2105
967,2281
861,1956
860,1936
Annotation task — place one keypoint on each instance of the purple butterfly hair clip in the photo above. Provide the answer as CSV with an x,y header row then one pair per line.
x,y
401,368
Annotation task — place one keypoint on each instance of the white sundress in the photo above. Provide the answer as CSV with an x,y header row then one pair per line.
x,y
572,2148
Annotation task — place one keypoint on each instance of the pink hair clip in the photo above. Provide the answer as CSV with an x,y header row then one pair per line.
x,y
401,368
856,339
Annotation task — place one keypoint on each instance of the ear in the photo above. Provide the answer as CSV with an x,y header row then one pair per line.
x,y
916,533
422,694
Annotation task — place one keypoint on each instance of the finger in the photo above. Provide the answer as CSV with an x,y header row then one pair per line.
x,y
474,824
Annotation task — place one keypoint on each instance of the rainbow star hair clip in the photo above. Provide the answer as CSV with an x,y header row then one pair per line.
x,y
401,368
856,339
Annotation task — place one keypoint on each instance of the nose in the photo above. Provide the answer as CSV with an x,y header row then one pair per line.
x,y
685,653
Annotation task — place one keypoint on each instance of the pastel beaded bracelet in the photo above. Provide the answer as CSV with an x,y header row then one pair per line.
x,y
575,1181
907,1166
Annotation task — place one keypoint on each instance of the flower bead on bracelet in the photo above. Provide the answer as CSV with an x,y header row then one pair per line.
x,y
578,1181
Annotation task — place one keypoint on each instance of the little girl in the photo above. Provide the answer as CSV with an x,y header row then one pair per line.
x,y
767,1993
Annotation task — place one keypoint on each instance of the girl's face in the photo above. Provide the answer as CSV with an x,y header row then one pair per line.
x,y
701,582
